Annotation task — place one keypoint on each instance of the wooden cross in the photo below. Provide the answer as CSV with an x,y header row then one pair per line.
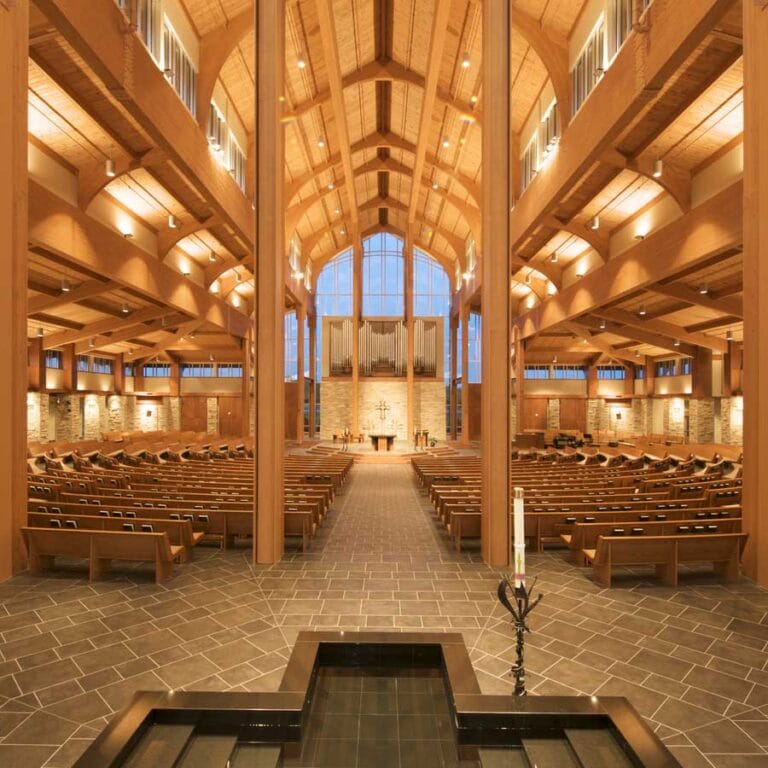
x,y
382,408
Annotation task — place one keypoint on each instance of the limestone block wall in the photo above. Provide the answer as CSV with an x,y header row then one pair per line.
x,y
642,416
37,417
212,415
173,405
674,417
66,418
429,407
91,412
553,413
732,420
335,407
701,420
513,416
395,395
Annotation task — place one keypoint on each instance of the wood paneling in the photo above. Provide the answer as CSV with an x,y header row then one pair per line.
x,y
291,406
535,413
194,413
573,413
230,415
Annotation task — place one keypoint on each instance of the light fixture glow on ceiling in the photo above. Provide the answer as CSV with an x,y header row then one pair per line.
x,y
466,62
301,62
321,142
173,222
703,289
446,143
66,287
594,223
658,168
110,169
124,309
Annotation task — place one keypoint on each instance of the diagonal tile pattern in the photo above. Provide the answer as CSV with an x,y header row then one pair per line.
x,y
693,660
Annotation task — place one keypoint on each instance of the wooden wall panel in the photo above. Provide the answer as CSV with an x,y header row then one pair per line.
x,y
194,413
573,413
230,415
475,428
291,405
535,413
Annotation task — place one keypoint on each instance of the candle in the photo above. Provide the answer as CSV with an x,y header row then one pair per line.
x,y
519,537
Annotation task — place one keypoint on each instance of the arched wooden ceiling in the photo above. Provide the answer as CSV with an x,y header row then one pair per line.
x,y
403,151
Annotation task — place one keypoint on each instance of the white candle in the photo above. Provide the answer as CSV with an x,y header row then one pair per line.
x,y
519,537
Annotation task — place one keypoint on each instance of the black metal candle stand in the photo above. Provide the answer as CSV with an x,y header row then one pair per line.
x,y
520,605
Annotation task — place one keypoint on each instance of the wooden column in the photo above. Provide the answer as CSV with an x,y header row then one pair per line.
x,y
755,489
36,364
454,322
464,320
497,200
174,383
301,319
701,380
312,319
14,36
650,376
245,385
519,383
69,367
408,294
732,369
269,439
357,309
118,371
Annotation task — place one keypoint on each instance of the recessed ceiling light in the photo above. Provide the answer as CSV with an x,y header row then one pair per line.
x,y
446,143
301,62
642,311
110,169
337,211
466,62
66,287
703,289
173,222
321,142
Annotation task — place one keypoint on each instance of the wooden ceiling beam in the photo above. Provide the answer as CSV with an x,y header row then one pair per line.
x,y
168,238
292,188
132,332
215,48
383,141
183,330
728,305
326,22
85,290
667,329
597,240
388,164
384,202
434,61
296,212
97,32
102,327
642,336
469,186
376,71
64,230
710,229
634,78
584,333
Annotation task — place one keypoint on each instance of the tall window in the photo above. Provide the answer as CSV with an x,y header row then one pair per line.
x,y
291,349
383,267
619,24
149,26
589,66
475,329
54,359
333,298
178,68
432,298
611,372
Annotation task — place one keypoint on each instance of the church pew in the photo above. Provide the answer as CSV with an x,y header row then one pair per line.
x,y
666,553
44,545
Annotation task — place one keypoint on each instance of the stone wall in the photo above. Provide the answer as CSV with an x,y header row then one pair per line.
x,y
513,417
701,420
37,417
553,413
66,417
429,407
173,405
395,395
212,415
642,416
335,407
674,417
732,420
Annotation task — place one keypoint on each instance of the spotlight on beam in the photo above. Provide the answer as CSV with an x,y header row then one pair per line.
x,y
658,168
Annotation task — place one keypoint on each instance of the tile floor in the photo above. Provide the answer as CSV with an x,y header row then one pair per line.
x,y
692,660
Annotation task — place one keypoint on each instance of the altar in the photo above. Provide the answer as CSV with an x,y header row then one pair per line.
x,y
382,442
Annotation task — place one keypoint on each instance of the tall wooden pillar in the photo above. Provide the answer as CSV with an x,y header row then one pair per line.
x,y
357,310
755,489
14,37
701,379
118,372
312,319
270,257
408,294
36,364
454,323
464,320
69,367
245,385
174,383
519,384
497,200
301,319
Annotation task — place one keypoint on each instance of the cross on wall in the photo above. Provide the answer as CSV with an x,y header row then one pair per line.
x,y
383,409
